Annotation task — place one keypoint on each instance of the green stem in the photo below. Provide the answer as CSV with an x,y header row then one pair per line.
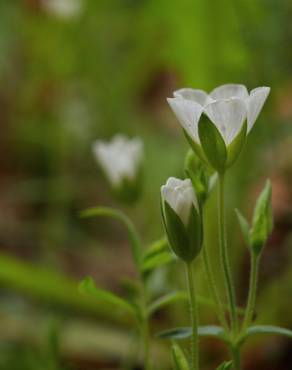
x,y
252,291
225,258
213,289
235,354
194,318
146,344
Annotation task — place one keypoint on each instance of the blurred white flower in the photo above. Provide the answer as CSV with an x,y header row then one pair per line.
x,y
227,106
120,158
180,196
63,8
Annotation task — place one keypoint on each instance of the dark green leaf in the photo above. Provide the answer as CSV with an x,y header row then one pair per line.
x,y
235,147
179,360
87,286
178,238
213,144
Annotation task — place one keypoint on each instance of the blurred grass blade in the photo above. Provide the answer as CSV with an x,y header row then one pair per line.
x,y
120,216
179,359
225,366
267,329
87,286
166,300
186,332
156,255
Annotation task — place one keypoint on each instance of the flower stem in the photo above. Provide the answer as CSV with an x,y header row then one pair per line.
x,y
146,344
235,354
225,258
252,291
194,318
213,288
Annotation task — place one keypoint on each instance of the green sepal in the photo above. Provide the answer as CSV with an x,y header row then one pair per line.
x,y
236,146
179,359
245,229
176,232
196,148
262,223
129,190
213,145
195,233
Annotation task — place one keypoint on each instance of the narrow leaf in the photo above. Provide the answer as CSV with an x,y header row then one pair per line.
x,y
87,286
132,233
166,300
225,366
186,332
156,255
268,329
179,360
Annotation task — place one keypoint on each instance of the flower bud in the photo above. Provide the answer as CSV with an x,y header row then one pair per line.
x,y
181,217
120,161
262,223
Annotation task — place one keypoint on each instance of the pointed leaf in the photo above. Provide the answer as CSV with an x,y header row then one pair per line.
x,y
87,286
267,329
156,255
236,146
213,144
225,366
167,300
179,360
195,233
244,227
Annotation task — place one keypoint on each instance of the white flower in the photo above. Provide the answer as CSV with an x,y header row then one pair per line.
x,y
227,106
180,196
120,159
63,8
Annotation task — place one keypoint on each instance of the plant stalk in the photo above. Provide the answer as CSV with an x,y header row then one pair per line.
x,y
194,318
235,355
253,281
213,289
225,258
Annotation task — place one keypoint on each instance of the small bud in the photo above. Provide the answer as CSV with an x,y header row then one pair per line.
x,y
120,161
200,175
181,216
262,223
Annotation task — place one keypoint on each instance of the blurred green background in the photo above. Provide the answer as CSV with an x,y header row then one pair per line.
x,y
73,71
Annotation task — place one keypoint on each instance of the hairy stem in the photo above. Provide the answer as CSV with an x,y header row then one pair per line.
x,y
194,317
235,355
252,291
225,258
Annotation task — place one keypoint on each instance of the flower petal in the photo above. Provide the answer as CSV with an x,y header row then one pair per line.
x,y
228,115
198,96
229,91
188,113
255,104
